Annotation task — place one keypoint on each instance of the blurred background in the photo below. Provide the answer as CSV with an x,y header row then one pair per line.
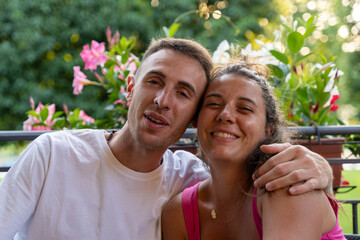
x,y
40,42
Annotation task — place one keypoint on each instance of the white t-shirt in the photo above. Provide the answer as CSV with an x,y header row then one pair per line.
x,y
69,185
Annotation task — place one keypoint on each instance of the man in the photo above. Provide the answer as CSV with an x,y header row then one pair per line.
x,y
88,184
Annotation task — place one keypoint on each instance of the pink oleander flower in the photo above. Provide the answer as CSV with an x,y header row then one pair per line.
x,y
79,81
28,124
130,65
85,117
95,56
112,40
32,103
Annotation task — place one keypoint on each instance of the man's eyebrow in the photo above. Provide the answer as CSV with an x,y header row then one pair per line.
x,y
161,74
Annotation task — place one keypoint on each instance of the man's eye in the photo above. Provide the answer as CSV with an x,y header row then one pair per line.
x,y
151,81
183,94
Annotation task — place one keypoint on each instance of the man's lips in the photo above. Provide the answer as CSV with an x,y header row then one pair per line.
x,y
156,119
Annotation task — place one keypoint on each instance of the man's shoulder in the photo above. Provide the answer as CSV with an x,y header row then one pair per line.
x,y
68,134
184,161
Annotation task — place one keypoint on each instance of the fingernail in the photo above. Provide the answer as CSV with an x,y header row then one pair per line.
x,y
292,190
256,183
268,186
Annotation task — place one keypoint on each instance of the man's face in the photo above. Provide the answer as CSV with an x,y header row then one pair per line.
x,y
167,90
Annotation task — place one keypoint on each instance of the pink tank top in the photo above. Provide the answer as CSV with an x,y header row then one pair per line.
x,y
191,215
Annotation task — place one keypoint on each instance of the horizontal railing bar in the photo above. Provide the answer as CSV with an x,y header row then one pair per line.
x,y
190,132
343,160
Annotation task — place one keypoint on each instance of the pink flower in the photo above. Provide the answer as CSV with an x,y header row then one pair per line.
x,y
334,99
79,81
28,124
95,56
32,103
85,118
66,109
334,107
130,65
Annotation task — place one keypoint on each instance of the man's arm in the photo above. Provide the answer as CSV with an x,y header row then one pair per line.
x,y
293,164
305,216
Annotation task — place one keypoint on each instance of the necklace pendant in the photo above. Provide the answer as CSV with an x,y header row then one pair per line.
x,y
213,214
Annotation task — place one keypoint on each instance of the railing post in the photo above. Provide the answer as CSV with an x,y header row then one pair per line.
x,y
355,217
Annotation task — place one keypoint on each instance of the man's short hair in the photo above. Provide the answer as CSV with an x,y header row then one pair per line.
x,y
184,46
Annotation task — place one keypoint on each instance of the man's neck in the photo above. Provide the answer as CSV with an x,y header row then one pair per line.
x,y
132,154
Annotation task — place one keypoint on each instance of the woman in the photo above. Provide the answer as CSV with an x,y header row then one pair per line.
x,y
239,114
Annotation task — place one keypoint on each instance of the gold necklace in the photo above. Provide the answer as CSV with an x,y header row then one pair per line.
x,y
215,217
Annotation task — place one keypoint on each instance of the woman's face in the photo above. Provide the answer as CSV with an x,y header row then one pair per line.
x,y
231,121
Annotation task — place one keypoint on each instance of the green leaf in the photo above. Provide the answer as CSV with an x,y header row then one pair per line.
x,y
309,31
32,113
310,21
39,124
295,42
275,71
59,124
293,82
280,56
57,114
173,29
303,57
287,27
44,113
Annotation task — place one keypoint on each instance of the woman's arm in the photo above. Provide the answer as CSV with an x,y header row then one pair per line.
x,y
172,220
287,216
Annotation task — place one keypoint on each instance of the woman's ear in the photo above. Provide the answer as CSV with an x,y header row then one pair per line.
x,y
130,87
269,130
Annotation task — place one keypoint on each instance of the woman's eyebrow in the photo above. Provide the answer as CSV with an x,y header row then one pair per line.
x,y
247,99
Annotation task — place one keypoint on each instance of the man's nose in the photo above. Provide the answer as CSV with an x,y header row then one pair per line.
x,y
163,98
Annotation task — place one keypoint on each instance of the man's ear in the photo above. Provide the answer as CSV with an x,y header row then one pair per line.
x,y
130,87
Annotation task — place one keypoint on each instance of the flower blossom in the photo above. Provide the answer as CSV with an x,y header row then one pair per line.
x,y
262,56
130,65
334,98
79,81
28,124
221,54
95,56
112,40
85,117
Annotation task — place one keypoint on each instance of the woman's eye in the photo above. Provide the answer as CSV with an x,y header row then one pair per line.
x,y
246,109
212,104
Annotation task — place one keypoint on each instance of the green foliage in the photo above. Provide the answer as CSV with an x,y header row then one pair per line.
x,y
40,42
307,89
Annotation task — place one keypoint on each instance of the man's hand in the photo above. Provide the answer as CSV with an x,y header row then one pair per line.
x,y
293,164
